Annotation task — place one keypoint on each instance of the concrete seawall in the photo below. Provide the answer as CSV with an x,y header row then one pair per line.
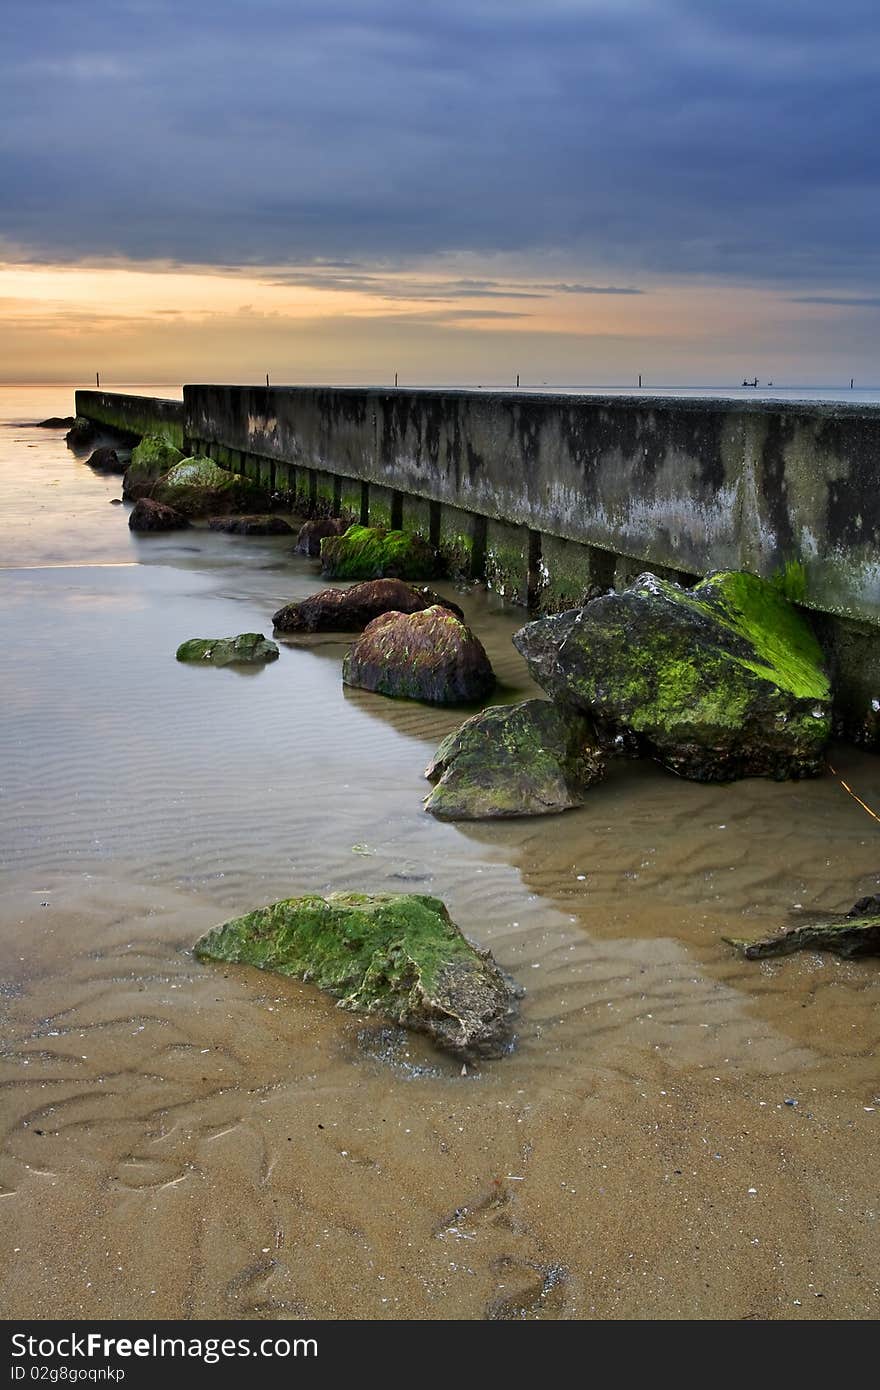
x,y
133,415
547,496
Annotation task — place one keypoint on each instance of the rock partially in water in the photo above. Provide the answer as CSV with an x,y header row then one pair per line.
x,y
531,759
853,933
350,610
248,649
720,681
57,422
371,552
251,525
81,434
396,955
150,460
106,460
199,487
429,656
147,515
311,533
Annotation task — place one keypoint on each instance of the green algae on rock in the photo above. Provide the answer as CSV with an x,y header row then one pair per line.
x,y
398,955
853,933
247,649
372,552
430,655
530,759
720,681
150,460
199,487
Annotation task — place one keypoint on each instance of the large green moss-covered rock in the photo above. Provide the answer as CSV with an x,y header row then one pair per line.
x,y
530,759
371,552
150,460
854,933
429,656
248,648
397,955
720,681
199,487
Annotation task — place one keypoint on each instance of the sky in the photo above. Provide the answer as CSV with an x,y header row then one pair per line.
x,y
577,191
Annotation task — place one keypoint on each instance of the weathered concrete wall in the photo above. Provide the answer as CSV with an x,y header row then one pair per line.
x,y
135,415
687,485
551,499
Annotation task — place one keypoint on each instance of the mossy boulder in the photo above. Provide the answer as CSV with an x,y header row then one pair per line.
x,y
429,656
199,487
248,649
853,933
251,525
371,552
311,534
397,955
150,461
350,610
531,759
147,515
82,433
720,681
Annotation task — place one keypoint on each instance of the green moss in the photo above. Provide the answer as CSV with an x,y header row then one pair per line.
x,y
791,581
399,955
149,461
196,486
246,649
371,552
514,760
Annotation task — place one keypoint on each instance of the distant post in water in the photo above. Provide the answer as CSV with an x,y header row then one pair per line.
x,y
852,382
517,381
640,381
98,380
395,378
267,378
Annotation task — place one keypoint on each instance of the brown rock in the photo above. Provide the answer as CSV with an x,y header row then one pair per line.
x,y
106,460
251,525
429,656
147,515
350,610
308,542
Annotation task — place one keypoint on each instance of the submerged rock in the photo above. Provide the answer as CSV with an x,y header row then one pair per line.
x,y
81,434
530,759
429,656
311,533
853,933
251,525
106,460
350,610
371,552
248,649
720,681
199,487
150,460
57,422
147,515
396,955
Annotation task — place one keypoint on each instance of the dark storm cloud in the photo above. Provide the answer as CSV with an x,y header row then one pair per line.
x,y
675,136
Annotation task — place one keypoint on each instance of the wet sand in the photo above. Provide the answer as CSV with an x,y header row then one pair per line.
x,y
190,1140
